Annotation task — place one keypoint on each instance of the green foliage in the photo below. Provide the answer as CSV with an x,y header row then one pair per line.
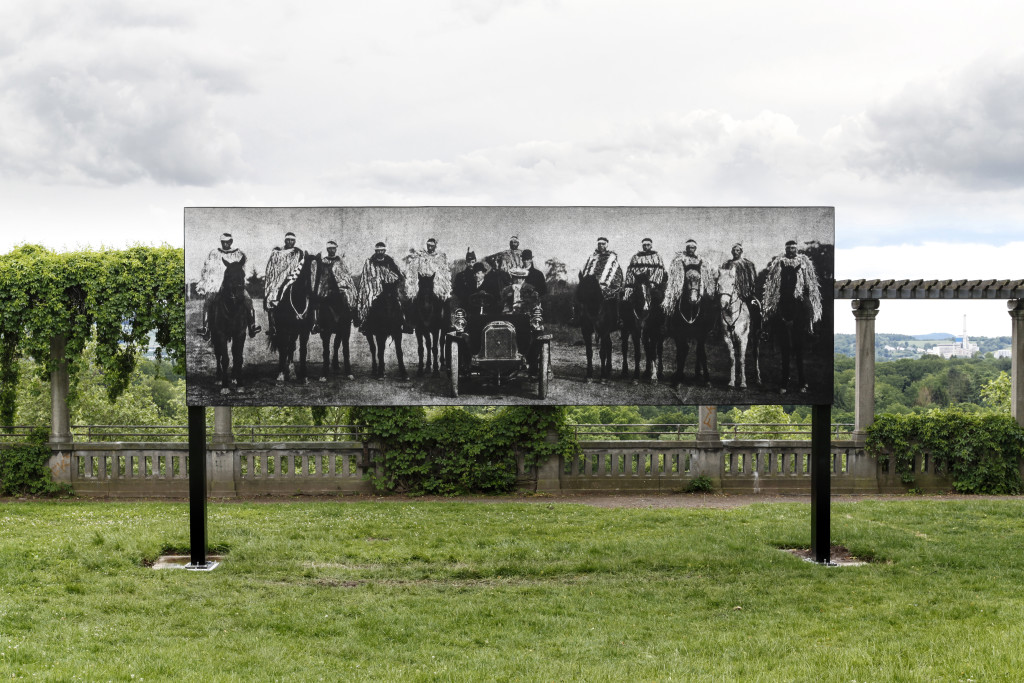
x,y
454,451
701,484
981,451
24,468
114,297
996,393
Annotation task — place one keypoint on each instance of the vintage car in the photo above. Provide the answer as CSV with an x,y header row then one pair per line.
x,y
492,349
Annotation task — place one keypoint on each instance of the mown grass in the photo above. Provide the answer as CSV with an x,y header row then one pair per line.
x,y
512,591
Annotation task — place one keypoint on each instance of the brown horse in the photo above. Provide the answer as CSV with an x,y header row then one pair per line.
x,y
598,319
228,319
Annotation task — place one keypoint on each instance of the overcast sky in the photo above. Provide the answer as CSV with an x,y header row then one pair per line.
x,y
907,117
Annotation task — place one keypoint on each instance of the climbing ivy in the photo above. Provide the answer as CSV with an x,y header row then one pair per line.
x,y
116,297
982,452
455,451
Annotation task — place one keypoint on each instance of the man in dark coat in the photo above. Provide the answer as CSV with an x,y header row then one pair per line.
x,y
464,282
534,277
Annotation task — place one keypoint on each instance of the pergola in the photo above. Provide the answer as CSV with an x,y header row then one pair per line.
x,y
866,296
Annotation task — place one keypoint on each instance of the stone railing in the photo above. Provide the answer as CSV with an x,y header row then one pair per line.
x,y
133,470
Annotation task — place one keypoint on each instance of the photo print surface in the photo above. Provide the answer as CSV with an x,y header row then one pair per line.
x,y
509,305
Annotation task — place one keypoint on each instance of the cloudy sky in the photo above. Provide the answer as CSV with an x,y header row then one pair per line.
x,y
907,117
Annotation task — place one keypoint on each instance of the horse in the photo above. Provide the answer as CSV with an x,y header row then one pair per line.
x,y
385,319
598,319
635,312
293,321
228,319
334,317
689,319
737,328
428,316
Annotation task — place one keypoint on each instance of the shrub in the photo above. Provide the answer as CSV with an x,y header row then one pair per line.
x,y
454,451
24,469
701,484
981,452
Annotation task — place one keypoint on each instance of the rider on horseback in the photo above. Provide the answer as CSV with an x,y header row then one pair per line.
x,y
213,275
332,272
283,268
746,283
429,262
378,270
645,261
792,303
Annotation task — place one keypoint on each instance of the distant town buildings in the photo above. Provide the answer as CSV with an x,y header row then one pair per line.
x,y
962,347
1003,353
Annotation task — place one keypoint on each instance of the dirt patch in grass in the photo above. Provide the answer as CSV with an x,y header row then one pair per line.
x,y
838,555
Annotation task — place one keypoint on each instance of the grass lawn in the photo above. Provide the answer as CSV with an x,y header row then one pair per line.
x,y
512,591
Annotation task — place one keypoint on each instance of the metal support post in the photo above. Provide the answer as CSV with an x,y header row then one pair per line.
x,y
197,486
821,483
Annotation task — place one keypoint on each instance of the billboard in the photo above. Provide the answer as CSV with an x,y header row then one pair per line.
x,y
509,305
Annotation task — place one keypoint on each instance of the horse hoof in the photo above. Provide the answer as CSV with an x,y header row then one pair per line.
x,y
590,380
225,390
743,385
350,377
280,377
379,378
636,382
240,390
323,379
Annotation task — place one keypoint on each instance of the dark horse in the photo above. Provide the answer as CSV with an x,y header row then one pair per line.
x,y
598,318
385,319
690,320
427,319
642,322
293,321
334,317
228,319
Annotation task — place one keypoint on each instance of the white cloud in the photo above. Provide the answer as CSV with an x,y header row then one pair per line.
x,y
967,129
110,93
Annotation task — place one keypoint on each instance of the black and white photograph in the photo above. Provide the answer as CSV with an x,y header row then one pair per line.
x,y
509,305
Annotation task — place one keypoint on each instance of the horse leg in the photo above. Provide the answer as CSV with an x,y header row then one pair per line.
x,y
637,351
741,355
702,363
325,342
730,344
682,350
398,355
373,355
420,343
590,355
606,356
624,335
303,348
237,353
434,343
382,340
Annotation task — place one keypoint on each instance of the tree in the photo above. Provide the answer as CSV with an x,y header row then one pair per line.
x,y
115,298
996,393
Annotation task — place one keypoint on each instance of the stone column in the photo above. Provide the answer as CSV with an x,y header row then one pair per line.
x,y
1016,309
864,310
222,435
222,458
707,426
60,416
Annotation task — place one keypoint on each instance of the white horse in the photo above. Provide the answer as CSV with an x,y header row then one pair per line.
x,y
735,327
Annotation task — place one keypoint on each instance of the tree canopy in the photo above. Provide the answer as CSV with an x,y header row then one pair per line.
x,y
114,297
